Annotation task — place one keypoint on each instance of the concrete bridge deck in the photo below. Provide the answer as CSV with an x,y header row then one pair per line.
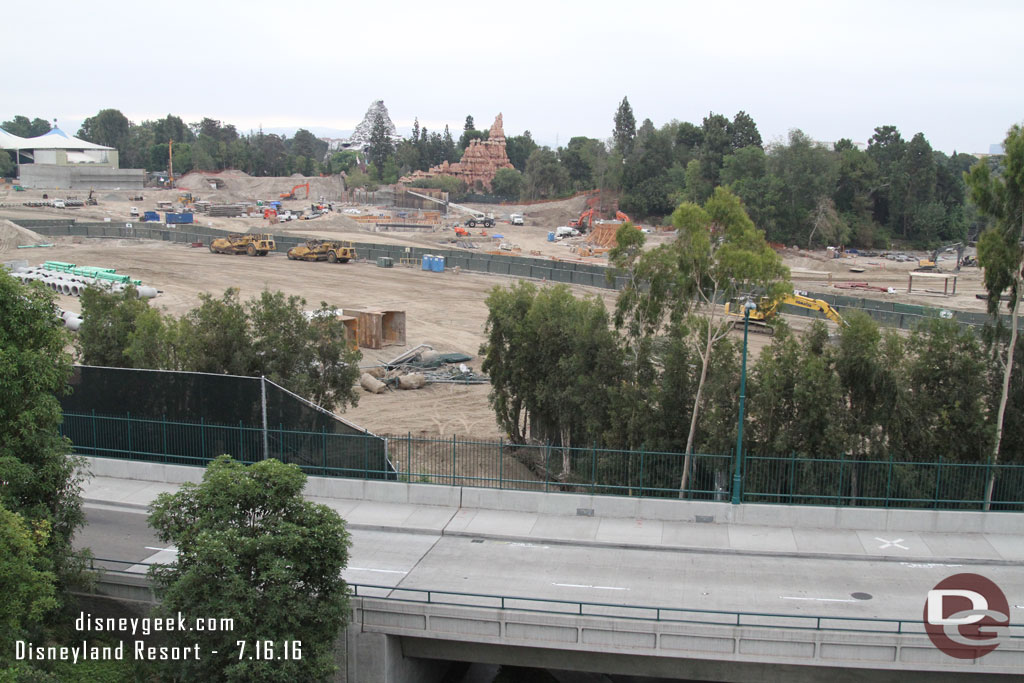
x,y
642,586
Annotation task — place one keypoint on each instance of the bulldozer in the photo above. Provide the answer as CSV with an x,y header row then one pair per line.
x,y
320,250
255,244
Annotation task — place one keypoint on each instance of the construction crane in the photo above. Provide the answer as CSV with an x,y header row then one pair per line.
x,y
170,163
290,194
484,219
768,309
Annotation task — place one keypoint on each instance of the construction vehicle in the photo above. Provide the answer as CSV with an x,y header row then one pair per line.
x,y
585,217
185,198
932,263
91,201
290,194
484,219
619,216
768,309
320,250
255,244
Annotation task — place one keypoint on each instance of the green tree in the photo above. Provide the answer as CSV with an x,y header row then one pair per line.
x,y
109,127
308,145
717,255
744,131
624,131
22,127
519,148
29,592
250,548
1000,252
806,175
946,377
381,148
507,182
109,320
545,178
40,481
551,358
215,336
7,165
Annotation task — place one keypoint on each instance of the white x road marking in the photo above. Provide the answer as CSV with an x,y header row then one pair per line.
x,y
891,544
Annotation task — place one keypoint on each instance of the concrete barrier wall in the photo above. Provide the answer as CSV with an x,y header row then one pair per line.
x,y
45,176
570,504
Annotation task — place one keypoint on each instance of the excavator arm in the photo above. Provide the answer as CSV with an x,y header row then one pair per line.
x,y
814,305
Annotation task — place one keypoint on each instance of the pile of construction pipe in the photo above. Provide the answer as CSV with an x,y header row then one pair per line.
x,y
74,285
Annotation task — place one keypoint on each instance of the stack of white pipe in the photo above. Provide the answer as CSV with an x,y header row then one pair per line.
x,y
73,285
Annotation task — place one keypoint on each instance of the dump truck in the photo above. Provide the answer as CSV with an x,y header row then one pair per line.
x,y
320,250
255,244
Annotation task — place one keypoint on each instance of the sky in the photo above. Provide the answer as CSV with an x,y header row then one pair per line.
x,y
951,70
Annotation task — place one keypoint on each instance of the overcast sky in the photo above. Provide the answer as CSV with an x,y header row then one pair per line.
x,y
952,70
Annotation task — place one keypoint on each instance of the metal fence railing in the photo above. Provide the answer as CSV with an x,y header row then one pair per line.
x,y
790,480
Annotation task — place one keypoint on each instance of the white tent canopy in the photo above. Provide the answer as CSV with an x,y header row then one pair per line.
x,y
8,141
55,139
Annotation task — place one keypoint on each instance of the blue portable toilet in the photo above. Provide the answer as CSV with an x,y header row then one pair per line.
x,y
551,237
427,259
438,264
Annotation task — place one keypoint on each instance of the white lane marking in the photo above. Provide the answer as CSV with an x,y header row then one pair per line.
x,y
790,597
171,549
382,571
891,544
585,585
929,565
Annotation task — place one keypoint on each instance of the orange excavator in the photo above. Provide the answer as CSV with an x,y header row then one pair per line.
x,y
619,216
587,217
290,194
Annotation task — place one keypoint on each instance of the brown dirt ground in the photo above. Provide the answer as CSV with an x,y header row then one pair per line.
x,y
445,310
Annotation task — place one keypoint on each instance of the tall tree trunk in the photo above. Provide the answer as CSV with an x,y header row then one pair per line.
x,y
1007,371
705,362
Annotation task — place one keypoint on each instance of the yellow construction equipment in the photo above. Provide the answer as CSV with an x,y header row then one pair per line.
x,y
255,244
319,250
768,309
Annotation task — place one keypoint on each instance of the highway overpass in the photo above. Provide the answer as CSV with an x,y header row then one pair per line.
x,y
617,585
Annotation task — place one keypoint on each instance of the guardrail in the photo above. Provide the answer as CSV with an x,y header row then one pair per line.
x,y
682,615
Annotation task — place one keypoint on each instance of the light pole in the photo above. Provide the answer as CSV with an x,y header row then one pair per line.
x,y
736,479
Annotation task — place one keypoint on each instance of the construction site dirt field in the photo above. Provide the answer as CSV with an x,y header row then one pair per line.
x,y
445,310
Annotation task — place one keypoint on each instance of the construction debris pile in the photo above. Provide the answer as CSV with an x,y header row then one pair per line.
x,y
418,367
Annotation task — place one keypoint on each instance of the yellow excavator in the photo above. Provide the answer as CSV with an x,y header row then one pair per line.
x,y
768,309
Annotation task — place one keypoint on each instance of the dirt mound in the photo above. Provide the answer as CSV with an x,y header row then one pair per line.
x,y
542,213
13,236
238,186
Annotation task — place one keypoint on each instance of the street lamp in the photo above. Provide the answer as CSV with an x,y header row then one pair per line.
x,y
736,479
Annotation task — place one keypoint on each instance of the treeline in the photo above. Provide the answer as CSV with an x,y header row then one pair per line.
x,y
663,374
799,192
560,375
268,336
